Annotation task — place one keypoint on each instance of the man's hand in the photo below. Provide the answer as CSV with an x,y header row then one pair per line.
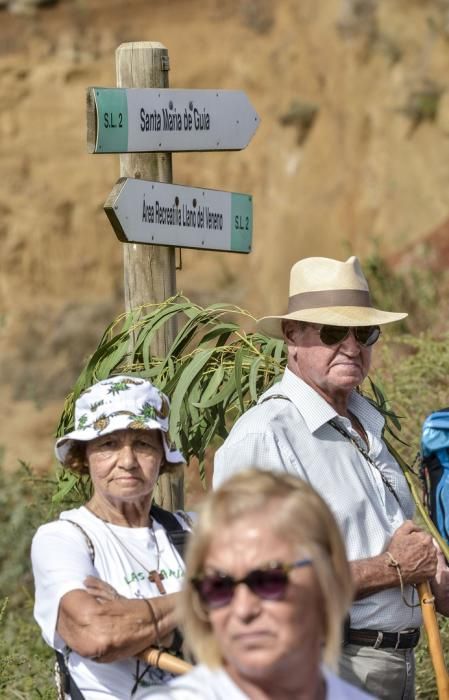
x,y
415,553
411,547
102,591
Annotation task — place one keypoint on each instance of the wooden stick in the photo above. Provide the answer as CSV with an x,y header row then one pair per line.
x,y
150,271
433,636
164,661
426,598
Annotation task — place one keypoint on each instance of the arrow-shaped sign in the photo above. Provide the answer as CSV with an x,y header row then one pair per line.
x,y
141,120
186,217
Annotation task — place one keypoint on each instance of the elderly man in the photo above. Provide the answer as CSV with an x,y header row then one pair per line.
x,y
316,425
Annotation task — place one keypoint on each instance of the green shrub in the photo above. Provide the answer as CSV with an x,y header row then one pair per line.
x,y
25,660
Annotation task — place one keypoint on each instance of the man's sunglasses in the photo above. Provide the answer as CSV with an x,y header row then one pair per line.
x,y
364,335
269,583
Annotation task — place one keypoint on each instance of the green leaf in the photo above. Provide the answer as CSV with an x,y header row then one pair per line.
x,y
238,376
221,396
253,377
223,329
212,387
112,360
186,378
64,487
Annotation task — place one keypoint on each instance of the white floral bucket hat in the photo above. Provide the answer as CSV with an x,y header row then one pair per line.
x,y
118,403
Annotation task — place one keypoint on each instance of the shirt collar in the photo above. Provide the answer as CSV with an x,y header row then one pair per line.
x,y
316,411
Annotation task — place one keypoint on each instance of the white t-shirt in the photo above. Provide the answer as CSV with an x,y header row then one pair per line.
x,y
206,684
61,561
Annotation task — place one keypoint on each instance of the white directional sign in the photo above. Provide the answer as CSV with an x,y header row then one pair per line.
x,y
139,120
187,217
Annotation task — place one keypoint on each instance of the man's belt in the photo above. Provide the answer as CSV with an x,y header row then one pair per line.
x,y
383,640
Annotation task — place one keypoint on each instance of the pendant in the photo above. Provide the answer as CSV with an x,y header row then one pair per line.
x,y
157,578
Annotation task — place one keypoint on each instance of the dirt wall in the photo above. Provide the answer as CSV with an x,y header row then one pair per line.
x,y
352,152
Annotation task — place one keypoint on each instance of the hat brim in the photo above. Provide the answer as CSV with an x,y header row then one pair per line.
x,y
331,316
63,444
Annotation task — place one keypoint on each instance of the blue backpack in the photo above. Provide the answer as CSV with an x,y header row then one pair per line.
x,y
434,469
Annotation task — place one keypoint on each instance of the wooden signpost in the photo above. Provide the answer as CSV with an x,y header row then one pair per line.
x,y
144,121
186,217
152,120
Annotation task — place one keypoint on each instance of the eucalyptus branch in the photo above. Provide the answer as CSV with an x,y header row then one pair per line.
x,y
406,470
213,372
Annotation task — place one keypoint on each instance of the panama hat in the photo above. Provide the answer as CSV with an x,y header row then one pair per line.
x,y
119,403
327,291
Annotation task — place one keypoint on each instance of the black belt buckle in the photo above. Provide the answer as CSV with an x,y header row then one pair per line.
x,y
412,634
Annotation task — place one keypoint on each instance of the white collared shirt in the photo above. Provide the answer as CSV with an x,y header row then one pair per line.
x,y
294,436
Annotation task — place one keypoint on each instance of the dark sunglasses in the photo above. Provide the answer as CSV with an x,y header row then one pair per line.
x,y
269,583
364,335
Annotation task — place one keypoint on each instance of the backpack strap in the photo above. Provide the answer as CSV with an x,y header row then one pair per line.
x,y
176,533
69,686
89,542
178,538
275,396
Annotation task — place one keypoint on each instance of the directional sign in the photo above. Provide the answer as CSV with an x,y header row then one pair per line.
x,y
141,120
186,217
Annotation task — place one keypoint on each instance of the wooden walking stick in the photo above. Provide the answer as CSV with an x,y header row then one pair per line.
x,y
164,661
426,597
433,636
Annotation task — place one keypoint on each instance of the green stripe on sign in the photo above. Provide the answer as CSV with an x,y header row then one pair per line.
x,y
112,120
241,222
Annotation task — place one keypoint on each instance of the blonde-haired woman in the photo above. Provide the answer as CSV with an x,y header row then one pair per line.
x,y
267,590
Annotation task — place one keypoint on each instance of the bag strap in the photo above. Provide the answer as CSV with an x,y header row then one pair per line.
x,y
89,542
69,685
275,396
367,458
175,532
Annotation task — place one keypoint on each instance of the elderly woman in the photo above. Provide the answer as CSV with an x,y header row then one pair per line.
x,y
267,589
107,574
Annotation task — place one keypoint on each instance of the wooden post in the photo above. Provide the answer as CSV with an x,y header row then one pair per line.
x,y
149,271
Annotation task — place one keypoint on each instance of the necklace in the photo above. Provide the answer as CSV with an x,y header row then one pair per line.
x,y
356,424
367,457
154,576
